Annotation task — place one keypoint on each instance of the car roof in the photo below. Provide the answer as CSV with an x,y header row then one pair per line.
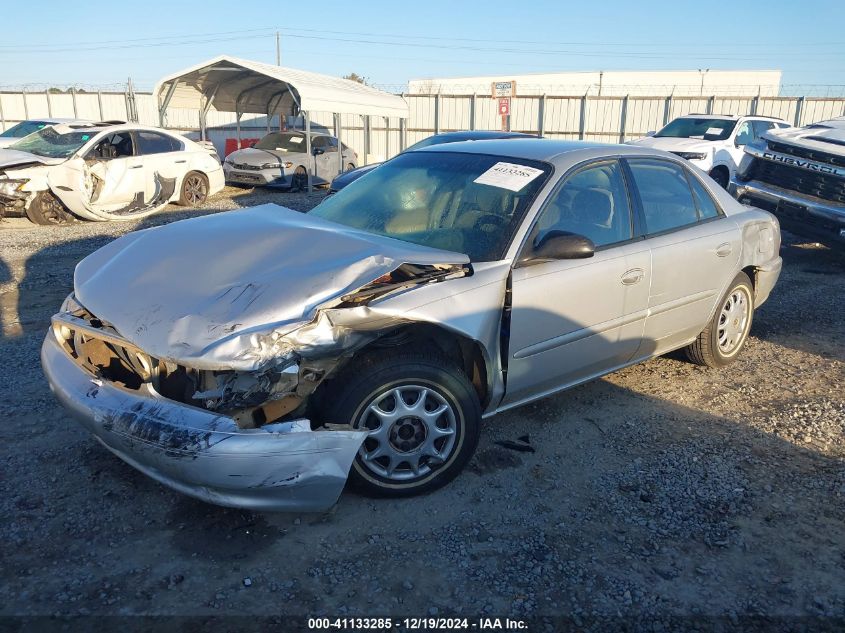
x,y
470,135
727,117
548,150
107,126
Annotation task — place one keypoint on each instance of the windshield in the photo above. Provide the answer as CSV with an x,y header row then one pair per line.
x,y
24,128
48,142
282,142
466,203
705,128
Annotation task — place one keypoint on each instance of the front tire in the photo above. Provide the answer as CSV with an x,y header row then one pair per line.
x,y
724,337
48,210
721,176
423,417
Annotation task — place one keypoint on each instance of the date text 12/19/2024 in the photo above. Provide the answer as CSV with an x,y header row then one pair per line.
x,y
417,624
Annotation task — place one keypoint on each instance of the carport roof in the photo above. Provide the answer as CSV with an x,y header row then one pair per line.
x,y
241,85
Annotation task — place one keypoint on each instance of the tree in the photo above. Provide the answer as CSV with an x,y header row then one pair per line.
x,y
357,77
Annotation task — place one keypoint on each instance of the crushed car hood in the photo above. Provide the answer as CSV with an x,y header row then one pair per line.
x,y
195,291
671,144
11,158
828,136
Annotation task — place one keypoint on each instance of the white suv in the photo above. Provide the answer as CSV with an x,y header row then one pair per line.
x,y
712,142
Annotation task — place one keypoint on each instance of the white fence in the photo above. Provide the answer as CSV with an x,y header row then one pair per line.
x,y
610,119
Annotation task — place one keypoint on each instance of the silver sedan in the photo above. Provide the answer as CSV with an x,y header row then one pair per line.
x,y
369,338
280,159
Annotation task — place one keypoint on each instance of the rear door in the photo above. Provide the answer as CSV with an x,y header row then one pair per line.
x,y
574,319
694,251
165,163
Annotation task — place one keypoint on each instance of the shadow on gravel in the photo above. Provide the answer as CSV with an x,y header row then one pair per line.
x,y
811,289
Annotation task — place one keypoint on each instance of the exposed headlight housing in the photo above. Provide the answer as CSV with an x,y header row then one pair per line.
x,y
13,186
691,155
70,304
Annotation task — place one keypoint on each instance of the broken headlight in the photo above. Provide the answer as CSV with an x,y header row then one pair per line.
x,y
691,155
13,186
70,305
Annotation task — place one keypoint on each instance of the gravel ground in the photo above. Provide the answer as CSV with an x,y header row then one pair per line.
x,y
663,491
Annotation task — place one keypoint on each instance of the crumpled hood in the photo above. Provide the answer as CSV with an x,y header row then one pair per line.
x,y
671,144
827,136
253,156
195,291
10,158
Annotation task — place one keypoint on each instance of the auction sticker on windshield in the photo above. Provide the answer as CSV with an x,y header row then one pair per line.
x,y
508,176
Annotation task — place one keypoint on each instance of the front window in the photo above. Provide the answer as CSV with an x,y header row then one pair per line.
x,y
466,203
592,202
24,128
706,128
282,142
52,144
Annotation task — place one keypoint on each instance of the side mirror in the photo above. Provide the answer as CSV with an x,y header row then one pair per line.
x,y
562,245
317,151
651,133
253,144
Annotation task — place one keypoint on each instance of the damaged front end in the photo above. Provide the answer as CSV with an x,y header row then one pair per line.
x,y
231,430
13,197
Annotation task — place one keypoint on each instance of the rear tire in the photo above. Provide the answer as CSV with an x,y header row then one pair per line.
x,y
194,189
416,445
46,209
724,337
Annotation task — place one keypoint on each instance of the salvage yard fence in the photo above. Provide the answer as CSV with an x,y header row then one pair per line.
x,y
610,119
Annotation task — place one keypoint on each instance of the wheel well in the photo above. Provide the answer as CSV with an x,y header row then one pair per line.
x,y
721,168
751,271
466,352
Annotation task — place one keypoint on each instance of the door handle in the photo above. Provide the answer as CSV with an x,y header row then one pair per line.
x,y
180,161
723,250
135,166
633,276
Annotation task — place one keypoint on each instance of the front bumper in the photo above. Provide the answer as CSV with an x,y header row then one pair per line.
x,y
766,276
256,177
283,467
801,214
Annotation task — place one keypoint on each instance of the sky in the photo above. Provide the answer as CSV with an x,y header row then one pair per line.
x,y
101,44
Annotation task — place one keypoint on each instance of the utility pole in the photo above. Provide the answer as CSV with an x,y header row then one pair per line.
x,y
278,50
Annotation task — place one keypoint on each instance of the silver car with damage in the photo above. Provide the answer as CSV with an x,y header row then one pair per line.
x,y
281,159
262,356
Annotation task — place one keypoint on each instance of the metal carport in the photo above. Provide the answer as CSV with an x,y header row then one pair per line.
x,y
242,86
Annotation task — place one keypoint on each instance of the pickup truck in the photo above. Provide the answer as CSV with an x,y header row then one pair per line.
x,y
799,175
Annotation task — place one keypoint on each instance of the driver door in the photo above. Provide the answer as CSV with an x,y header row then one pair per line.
x,y
572,320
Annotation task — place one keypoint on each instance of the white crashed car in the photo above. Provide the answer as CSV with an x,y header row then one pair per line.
x,y
714,143
103,171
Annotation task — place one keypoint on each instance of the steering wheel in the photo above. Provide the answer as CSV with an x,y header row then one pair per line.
x,y
492,218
